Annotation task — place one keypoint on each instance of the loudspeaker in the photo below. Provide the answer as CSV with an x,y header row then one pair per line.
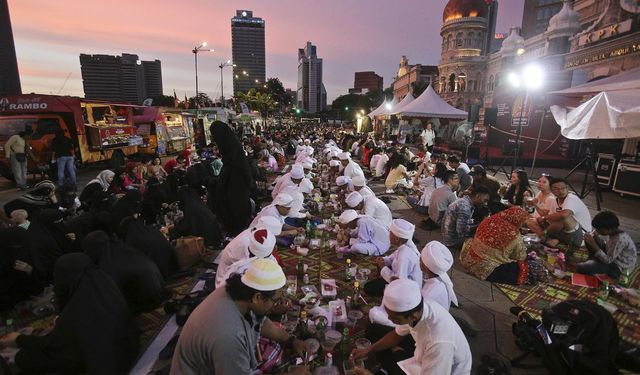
x,y
474,113
490,116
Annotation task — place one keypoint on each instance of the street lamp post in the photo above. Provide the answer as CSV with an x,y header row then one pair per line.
x,y
221,66
530,78
200,48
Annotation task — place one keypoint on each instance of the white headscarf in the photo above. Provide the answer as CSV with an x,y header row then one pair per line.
x,y
102,177
439,260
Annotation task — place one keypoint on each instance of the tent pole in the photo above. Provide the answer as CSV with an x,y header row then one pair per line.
x,y
535,152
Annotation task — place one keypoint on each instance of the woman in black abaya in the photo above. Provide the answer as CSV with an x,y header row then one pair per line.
x,y
235,184
138,278
151,242
198,219
94,332
20,273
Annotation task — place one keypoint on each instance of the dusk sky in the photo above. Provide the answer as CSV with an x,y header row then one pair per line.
x,y
350,35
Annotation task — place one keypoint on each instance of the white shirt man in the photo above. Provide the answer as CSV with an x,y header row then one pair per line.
x,y
360,185
351,169
261,242
404,263
435,262
369,236
382,164
292,178
441,347
370,206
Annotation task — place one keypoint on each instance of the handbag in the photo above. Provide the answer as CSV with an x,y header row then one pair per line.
x,y
20,156
189,250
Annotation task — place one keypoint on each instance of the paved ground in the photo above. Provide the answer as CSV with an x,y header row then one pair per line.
x,y
484,306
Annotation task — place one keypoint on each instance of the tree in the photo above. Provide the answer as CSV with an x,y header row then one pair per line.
x,y
275,88
164,101
418,87
256,101
203,101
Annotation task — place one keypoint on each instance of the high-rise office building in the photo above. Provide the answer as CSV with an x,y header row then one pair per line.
x,y
247,47
9,77
312,96
120,78
367,80
536,16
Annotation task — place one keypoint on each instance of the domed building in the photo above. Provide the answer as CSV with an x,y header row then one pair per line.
x,y
466,32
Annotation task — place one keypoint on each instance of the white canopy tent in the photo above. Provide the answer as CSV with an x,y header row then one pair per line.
x,y
384,108
613,113
430,104
406,100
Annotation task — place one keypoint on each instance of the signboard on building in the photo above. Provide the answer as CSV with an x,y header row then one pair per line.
x,y
606,33
602,55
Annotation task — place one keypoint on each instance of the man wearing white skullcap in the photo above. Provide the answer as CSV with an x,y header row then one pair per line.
x,y
404,263
344,184
440,345
261,244
369,237
279,209
294,177
351,168
297,207
227,344
238,248
370,206
360,185
435,261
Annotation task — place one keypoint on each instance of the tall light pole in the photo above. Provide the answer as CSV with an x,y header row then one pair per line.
x,y
200,48
221,66
531,78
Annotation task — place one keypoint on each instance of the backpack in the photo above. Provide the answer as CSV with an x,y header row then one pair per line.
x,y
574,338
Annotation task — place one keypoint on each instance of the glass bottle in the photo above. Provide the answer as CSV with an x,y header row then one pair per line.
x,y
300,268
347,271
355,300
603,293
345,344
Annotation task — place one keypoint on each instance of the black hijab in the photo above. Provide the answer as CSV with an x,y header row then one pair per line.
x,y
149,241
235,183
94,322
138,278
129,205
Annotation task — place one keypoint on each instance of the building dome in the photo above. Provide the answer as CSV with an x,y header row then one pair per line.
x,y
565,20
465,8
512,44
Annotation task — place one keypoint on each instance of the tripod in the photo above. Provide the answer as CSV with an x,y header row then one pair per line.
x,y
511,155
589,167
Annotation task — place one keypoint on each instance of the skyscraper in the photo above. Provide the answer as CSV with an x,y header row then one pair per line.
x,y
311,92
120,78
9,77
247,46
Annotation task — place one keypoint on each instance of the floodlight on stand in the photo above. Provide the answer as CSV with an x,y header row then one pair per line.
x,y
533,76
514,80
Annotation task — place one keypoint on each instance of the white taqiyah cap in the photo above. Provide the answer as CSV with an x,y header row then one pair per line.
x,y
307,165
283,199
334,163
438,259
358,180
344,156
306,186
262,242
271,223
297,171
333,154
353,199
342,180
310,150
347,216
402,295
402,228
264,275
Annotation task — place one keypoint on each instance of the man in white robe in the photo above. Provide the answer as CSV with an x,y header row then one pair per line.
x,y
368,236
371,206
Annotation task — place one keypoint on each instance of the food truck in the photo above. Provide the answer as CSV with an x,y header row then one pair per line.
x,y
163,130
100,131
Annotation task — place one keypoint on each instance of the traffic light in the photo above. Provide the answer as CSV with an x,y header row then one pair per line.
x,y
346,108
297,111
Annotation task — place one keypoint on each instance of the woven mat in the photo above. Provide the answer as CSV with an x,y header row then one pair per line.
x,y
334,268
535,298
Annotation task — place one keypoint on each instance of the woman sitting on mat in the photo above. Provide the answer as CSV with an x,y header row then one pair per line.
x,y
497,252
